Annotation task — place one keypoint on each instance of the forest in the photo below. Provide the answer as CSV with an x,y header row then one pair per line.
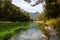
x,y
10,12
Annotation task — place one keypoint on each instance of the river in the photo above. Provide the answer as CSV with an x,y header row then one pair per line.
x,y
33,33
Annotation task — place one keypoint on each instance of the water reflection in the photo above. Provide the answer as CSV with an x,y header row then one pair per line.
x,y
33,33
52,32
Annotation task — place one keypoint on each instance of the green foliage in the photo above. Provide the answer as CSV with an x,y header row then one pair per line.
x,y
51,15
52,9
10,12
7,30
42,16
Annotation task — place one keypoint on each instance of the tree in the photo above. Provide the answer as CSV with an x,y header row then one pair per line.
x,y
52,9
42,16
10,12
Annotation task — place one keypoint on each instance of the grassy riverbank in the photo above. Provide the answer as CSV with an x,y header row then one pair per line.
x,y
9,29
53,23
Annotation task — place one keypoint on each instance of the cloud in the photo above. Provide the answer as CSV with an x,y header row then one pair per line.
x,y
24,5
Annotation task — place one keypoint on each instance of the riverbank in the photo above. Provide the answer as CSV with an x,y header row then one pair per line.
x,y
52,23
9,29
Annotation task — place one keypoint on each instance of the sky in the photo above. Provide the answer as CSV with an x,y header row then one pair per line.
x,y
31,34
25,6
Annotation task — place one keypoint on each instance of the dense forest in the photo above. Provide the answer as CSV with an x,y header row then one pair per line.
x,y
10,12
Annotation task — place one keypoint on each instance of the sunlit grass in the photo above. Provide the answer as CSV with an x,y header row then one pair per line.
x,y
55,23
9,29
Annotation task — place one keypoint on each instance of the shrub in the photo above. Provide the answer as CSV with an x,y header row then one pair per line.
x,y
55,23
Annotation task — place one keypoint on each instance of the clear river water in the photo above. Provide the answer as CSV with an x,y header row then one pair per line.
x,y
34,33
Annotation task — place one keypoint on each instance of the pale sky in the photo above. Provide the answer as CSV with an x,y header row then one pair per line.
x,y
24,5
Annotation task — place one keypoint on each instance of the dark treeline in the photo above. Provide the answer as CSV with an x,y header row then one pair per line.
x,y
10,12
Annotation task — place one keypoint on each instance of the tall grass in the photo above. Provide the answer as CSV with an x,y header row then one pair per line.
x,y
55,23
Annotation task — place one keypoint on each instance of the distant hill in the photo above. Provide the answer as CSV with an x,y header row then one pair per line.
x,y
34,16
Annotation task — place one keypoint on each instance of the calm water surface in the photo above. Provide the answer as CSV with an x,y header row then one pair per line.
x,y
33,33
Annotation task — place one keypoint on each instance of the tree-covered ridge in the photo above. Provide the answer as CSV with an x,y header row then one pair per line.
x,y
10,12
